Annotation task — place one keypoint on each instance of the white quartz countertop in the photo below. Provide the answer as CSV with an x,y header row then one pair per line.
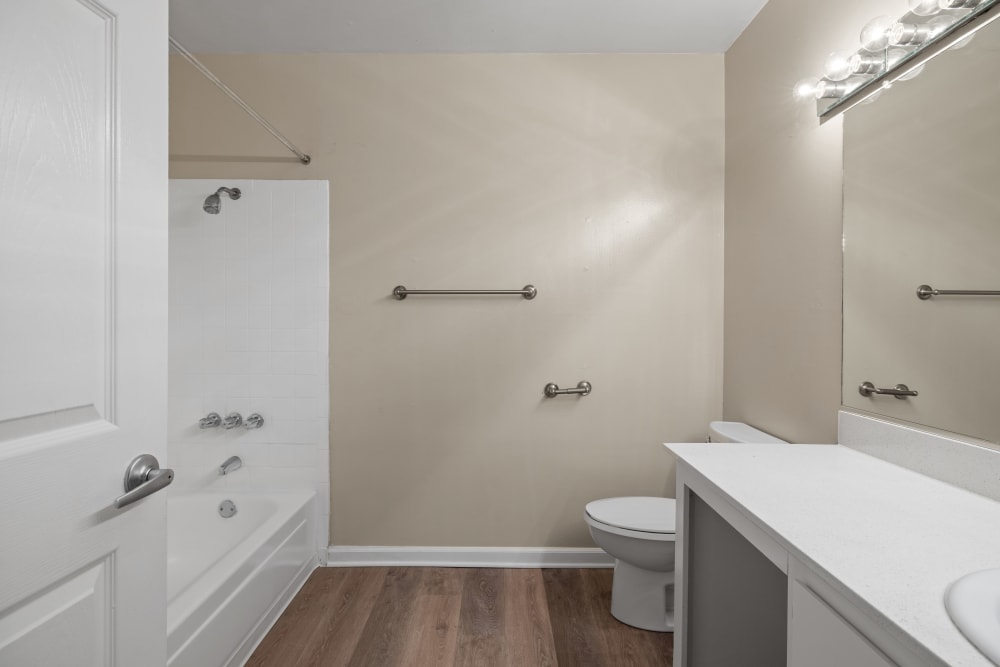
x,y
890,539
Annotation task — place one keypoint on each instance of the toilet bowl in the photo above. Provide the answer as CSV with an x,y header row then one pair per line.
x,y
639,532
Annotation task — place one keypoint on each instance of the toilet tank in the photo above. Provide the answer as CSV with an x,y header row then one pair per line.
x,y
738,432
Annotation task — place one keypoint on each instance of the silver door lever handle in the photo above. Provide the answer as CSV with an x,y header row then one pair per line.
x,y
142,478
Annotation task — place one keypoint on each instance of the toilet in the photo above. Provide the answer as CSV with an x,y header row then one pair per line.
x,y
639,532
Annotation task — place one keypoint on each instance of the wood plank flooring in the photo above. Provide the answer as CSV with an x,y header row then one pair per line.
x,y
412,617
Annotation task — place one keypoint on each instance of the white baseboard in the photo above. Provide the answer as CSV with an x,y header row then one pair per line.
x,y
466,557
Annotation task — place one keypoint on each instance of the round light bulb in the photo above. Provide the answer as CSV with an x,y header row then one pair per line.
x,y
805,89
838,65
925,7
875,34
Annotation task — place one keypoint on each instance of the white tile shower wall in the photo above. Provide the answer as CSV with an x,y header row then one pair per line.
x,y
249,322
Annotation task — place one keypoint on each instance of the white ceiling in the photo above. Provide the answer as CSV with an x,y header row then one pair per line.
x,y
449,26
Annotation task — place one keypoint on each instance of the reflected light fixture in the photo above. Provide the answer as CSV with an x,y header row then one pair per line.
x,y
959,4
896,54
924,7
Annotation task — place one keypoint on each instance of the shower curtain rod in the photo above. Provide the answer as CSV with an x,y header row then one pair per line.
x,y
187,55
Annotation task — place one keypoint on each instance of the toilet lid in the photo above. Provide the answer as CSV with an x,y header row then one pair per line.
x,y
648,515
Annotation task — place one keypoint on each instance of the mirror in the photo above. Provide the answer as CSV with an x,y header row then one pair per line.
x,y
922,207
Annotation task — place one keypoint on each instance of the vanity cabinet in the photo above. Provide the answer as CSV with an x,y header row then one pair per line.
x,y
820,637
820,556
745,604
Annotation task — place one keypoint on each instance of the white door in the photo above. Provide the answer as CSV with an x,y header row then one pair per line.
x,y
83,184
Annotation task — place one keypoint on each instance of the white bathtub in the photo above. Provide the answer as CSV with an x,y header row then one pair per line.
x,y
229,579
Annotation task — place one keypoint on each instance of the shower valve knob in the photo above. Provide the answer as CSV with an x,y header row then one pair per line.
x,y
212,420
253,421
232,420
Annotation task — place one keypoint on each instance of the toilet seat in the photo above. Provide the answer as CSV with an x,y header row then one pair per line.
x,y
638,516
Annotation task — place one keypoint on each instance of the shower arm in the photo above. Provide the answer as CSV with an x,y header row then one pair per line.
x,y
188,56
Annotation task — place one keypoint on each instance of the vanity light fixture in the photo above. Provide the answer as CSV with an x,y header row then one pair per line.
x,y
925,7
959,4
866,63
894,50
931,7
822,89
915,34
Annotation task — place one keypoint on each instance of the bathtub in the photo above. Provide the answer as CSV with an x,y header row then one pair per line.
x,y
229,579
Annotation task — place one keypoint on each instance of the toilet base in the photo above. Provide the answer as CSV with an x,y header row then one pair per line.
x,y
642,598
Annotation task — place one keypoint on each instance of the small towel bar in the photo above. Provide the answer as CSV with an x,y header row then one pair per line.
x,y
552,389
900,391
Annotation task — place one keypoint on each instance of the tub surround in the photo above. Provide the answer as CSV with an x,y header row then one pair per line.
x,y
248,331
874,544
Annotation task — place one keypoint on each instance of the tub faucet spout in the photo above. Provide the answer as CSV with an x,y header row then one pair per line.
x,y
230,464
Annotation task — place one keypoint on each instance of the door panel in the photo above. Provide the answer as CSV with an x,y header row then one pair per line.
x,y
83,329
58,164
77,609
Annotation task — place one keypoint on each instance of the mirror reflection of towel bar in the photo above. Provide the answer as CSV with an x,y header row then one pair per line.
x,y
925,292
900,391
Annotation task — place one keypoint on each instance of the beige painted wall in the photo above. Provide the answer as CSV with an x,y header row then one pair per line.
x,y
599,179
783,252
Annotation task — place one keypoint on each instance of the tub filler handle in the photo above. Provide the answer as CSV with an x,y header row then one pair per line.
x,y
142,478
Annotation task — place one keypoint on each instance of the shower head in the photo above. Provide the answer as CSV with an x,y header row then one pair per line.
x,y
213,203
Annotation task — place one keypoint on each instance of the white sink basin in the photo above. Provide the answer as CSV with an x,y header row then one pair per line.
x,y
973,602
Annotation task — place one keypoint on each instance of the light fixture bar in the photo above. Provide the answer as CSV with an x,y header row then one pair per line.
x,y
964,27
250,111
